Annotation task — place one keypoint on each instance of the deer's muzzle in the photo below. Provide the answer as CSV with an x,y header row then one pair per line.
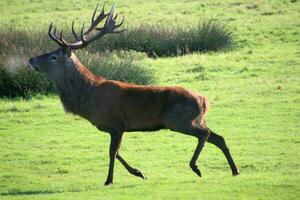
x,y
32,65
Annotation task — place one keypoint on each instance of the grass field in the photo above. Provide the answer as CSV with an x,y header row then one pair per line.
x,y
254,90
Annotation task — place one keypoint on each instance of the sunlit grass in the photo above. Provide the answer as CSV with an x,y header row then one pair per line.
x,y
254,94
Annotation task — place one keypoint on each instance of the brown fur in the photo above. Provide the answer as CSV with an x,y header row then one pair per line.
x,y
113,105
117,107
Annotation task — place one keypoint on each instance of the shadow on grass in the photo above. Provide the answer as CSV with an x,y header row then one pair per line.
x,y
16,193
42,192
119,186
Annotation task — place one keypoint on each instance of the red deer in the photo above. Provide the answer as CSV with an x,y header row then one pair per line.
x,y
117,107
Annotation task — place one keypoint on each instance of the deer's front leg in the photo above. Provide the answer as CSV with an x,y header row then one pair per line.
x,y
115,141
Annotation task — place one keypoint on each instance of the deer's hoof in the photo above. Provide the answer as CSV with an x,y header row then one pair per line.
x,y
108,183
139,174
237,172
196,170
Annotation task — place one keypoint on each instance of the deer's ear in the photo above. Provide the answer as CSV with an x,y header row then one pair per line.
x,y
67,52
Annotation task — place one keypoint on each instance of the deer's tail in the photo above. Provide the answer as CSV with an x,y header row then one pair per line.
x,y
205,107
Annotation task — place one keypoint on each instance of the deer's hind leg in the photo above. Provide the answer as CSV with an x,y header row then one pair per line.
x,y
219,141
186,118
130,169
202,135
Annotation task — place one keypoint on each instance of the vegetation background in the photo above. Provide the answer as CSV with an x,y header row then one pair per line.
x,y
254,89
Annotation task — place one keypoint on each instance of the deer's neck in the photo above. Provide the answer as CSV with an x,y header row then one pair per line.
x,y
77,88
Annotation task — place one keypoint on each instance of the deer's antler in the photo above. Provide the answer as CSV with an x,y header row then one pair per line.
x,y
86,37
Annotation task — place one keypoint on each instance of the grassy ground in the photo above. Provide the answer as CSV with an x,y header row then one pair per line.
x,y
254,91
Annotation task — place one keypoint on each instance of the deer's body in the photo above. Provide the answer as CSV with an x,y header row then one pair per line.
x,y
117,107
114,105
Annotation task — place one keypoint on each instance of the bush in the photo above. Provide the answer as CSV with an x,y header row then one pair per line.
x,y
155,40
160,40
17,79
14,41
16,46
22,82
119,66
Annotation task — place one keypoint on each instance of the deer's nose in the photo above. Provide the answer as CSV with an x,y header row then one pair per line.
x,y
32,65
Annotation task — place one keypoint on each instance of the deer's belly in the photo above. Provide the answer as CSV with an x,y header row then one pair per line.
x,y
143,123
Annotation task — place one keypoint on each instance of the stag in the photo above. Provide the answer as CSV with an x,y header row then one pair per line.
x,y
117,107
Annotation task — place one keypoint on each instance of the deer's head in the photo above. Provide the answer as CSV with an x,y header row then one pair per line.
x,y
53,64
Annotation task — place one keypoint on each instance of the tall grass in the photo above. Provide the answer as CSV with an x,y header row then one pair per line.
x,y
119,66
22,82
155,40
16,46
14,41
161,40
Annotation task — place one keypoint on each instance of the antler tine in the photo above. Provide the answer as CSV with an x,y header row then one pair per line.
x,y
53,35
109,26
93,17
121,23
109,22
84,43
94,22
111,12
62,38
61,35
116,16
56,38
50,30
99,18
74,33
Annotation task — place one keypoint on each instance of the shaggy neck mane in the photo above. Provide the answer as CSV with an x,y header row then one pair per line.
x,y
77,87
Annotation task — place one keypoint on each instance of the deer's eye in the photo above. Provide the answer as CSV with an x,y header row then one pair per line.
x,y
52,58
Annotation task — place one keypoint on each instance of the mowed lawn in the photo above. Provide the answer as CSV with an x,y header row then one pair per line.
x,y
254,90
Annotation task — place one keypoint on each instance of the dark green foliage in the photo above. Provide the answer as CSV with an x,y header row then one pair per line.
x,y
15,41
118,66
154,40
22,82
161,40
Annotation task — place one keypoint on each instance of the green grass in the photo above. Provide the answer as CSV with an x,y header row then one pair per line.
x,y
254,91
